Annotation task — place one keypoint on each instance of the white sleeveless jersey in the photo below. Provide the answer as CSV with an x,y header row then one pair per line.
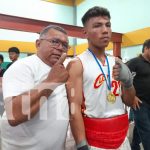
x,y
95,88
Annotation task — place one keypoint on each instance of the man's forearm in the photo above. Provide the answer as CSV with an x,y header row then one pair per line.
x,y
77,127
128,96
23,107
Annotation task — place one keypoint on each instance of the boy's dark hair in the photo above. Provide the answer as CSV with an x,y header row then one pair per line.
x,y
146,44
14,49
95,12
1,57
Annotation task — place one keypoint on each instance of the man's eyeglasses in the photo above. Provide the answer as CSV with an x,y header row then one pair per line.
x,y
57,42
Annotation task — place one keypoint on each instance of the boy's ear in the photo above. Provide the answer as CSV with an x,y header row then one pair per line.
x,y
84,32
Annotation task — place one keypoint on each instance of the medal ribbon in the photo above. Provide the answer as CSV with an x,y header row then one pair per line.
x,y
108,82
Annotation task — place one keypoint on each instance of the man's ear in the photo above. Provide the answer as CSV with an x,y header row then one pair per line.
x,y
37,43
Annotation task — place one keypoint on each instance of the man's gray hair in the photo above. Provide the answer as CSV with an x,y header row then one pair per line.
x,y
46,29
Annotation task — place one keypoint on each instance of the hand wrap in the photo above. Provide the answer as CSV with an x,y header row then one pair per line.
x,y
125,75
82,145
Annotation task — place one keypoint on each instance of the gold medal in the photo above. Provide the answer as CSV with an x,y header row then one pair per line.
x,y
111,97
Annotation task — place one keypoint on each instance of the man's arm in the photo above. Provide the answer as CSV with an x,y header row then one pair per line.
x,y
75,97
23,107
128,95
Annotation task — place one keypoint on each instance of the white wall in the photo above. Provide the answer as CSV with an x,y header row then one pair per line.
x,y
130,52
38,9
35,9
17,35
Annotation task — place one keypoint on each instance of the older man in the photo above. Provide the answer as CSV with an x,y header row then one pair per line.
x,y
36,105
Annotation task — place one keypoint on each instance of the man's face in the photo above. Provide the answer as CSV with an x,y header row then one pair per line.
x,y
13,56
98,31
147,53
51,46
1,61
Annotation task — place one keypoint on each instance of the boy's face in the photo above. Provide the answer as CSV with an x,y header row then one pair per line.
x,y
98,31
13,56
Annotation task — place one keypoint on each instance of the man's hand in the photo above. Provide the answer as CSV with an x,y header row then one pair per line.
x,y
136,103
122,73
58,73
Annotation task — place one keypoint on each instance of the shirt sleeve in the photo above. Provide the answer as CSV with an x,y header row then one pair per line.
x,y
17,79
132,65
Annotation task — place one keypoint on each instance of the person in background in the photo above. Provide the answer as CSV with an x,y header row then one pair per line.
x,y
13,55
136,140
140,68
97,115
37,113
2,70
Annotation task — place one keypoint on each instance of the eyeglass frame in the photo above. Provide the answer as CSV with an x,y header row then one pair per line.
x,y
50,41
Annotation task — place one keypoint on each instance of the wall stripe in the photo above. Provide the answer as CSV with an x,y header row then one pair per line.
x,y
78,2
136,37
25,47
65,2
129,39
